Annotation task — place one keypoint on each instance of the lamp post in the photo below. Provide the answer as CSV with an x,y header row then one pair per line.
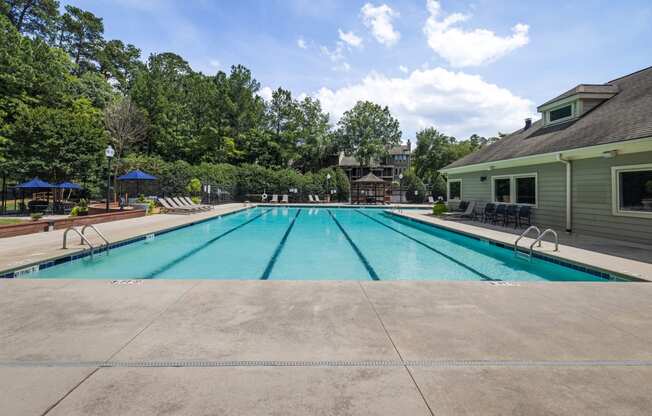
x,y
109,153
400,188
328,179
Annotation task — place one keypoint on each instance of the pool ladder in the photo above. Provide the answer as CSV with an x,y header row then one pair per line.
x,y
84,240
537,240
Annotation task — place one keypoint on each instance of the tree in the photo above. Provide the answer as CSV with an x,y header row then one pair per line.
x,y
81,36
282,113
368,131
118,63
32,17
315,140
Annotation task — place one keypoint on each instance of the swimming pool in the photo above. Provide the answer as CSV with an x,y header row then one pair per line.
x,y
312,243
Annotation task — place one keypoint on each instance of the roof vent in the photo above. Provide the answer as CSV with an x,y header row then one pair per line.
x,y
528,123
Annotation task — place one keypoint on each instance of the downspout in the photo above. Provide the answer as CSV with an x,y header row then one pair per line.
x,y
569,212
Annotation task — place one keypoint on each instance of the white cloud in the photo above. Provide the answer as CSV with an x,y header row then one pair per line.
x,y
379,20
403,69
302,43
265,93
468,48
350,38
336,56
215,63
456,103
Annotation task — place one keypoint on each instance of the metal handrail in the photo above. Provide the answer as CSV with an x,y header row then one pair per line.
x,y
539,238
106,241
527,230
83,239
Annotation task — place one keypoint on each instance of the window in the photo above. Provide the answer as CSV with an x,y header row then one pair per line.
x,y
526,190
632,190
520,189
454,189
562,112
502,190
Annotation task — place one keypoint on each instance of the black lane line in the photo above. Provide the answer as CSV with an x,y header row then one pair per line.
x,y
279,248
203,246
429,247
363,259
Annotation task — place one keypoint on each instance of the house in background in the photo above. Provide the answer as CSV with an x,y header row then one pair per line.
x,y
388,168
584,167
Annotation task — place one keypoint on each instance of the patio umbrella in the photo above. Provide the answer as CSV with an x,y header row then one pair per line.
x,y
137,176
69,186
35,184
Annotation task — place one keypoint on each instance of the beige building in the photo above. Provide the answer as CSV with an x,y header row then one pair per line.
x,y
584,167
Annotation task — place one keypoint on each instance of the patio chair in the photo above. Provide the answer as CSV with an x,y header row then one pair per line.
x,y
478,212
182,204
512,214
317,200
310,198
274,199
462,206
285,199
468,213
489,213
189,202
524,214
431,200
173,209
501,214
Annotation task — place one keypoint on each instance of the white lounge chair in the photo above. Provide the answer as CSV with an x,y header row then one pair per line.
x,y
178,202
285,200
310,198
274,199
173,209
431,200
189,202
317,199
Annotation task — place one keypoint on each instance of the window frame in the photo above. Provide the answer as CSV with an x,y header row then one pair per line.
x,y
615,190
512,188
573,105
448,189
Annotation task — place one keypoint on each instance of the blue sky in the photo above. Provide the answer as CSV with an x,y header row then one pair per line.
x,y
462,66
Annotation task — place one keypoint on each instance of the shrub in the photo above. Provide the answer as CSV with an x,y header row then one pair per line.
x,y
36,216
82,206
414,187
74,211
194,186
439,208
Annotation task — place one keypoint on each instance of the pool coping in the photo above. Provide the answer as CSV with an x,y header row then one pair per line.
x,y
16,272
556,258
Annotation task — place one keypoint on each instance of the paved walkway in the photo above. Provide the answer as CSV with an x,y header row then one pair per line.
x,y
324,348
20,251
616,257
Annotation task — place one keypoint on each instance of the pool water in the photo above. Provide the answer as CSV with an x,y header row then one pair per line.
x,y
312,243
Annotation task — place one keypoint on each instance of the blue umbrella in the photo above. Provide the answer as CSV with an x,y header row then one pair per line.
x,y
68,185
35,183
137,175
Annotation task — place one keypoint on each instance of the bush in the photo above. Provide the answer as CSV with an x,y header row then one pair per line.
x,y
439,208
36,216
82,207
414,187
194,186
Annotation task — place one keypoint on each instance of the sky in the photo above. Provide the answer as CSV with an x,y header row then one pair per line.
x,y
463,67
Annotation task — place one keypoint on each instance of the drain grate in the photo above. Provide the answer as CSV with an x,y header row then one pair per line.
x,y
330,363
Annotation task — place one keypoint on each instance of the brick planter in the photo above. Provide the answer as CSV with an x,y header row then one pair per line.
x,y
31,227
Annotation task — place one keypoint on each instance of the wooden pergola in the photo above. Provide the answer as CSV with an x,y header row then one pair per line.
x,y
370,189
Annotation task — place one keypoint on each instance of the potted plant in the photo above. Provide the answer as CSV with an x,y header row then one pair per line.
x,y
647,202
82,207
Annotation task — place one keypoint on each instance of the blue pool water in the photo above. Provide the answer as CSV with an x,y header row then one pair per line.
x,y
313,244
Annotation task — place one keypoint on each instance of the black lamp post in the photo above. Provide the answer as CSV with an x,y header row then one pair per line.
x,y
400,188
109,153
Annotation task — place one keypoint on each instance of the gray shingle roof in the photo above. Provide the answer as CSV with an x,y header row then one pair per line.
x,y
626,116
585,89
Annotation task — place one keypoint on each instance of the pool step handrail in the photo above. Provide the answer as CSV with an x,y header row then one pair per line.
x,y
107,243
540,237
82,236
523,234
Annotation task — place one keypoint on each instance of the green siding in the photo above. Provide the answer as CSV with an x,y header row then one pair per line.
x,y
591,190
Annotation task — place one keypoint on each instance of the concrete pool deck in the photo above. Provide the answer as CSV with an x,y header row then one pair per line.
x,y
324,348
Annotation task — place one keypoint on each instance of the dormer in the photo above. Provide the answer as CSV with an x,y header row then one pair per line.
x,y
575,102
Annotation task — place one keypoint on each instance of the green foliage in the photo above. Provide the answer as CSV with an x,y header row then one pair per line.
x,y
368,131
36,216
415,190
81,36
32,17
194,186
82,206
439,208
74,212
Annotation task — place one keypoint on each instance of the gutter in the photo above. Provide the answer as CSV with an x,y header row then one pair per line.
x,y
569,206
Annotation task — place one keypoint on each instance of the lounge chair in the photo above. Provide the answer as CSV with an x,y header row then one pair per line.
x,y
317,199
310,198
468,213
285,200
461,207
182,204
274,199
431,200
173,209
189,202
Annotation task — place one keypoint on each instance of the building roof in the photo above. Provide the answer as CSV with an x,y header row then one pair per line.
x,y
625,116
586,89
369,178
